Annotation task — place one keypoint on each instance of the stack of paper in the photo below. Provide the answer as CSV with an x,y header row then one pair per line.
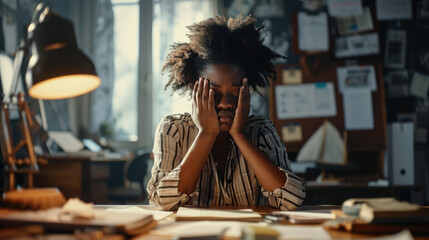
x,y
386,210
56,220
185,213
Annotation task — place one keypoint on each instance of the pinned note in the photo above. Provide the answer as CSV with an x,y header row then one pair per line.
x,y
420,85
292,132
292,76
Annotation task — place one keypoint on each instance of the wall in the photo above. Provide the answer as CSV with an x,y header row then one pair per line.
x,y
403,100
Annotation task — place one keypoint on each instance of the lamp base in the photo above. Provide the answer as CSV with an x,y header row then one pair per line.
x,y
34,199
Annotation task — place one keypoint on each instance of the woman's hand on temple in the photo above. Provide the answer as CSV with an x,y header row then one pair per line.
x,y
242,111
203,108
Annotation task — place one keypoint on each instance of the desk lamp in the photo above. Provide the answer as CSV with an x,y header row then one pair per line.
x,y
57,69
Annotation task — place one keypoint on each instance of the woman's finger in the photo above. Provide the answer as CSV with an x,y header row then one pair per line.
x,y
206,95
247,90
199,93
194,91
211,107
240,100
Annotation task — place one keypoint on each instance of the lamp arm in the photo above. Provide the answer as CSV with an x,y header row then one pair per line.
x,y
23,49
40,7
19,58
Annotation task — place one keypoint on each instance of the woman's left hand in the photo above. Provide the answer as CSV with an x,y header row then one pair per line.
x,y
242,111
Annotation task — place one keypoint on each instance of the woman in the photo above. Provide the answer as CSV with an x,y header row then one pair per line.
x,y
220,155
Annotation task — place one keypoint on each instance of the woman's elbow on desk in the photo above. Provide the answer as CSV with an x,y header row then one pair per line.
x,y
164,205
170,202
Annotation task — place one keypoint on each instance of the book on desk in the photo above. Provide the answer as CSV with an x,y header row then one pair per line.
x,y
54,220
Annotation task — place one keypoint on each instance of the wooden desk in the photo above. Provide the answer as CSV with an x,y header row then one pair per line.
x,y
85,177
335,234
169,221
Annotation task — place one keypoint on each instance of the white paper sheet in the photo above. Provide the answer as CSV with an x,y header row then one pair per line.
x,y
394,9
301,232
357,45
420,85
231,229
358,111
292,101
313,32
355,23
67,141
200,230
156,213
216,214
344,8
323,99
305,100
356,78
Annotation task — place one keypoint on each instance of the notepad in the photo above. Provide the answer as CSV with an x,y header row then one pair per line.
x,y
185,213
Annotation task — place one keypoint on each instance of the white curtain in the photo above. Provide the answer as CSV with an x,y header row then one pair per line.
x,y
103,57
81,14
170,21
93,22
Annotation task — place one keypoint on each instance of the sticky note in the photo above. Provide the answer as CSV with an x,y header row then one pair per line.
x,y
292,76
292,132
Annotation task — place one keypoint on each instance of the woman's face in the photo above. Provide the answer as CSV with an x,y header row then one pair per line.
x,y
225,80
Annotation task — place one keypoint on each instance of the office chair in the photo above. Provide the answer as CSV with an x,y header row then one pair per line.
x,y
135,173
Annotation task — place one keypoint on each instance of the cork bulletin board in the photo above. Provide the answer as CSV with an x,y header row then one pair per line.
x,y
359,140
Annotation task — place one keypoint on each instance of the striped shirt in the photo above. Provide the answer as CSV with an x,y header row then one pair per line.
x,y
173,138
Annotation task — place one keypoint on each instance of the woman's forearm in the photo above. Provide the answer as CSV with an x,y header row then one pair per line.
x,y
194,161
267,173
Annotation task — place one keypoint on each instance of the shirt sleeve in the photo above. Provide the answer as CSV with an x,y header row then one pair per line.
x,y
163,187
292,194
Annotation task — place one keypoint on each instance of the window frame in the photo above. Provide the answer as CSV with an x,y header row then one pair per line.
x,y
144,84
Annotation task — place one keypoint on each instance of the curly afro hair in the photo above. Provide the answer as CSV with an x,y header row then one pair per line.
x,y
218,40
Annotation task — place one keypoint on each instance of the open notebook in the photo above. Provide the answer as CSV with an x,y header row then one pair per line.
x,y
54,220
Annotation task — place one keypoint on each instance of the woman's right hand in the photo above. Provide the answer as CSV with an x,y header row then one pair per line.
x,y
203,108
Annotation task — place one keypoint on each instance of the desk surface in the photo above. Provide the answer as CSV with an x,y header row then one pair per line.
x,y
169,221
334,233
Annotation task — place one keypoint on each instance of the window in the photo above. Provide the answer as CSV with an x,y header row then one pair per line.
x,y
143,33
126,58
170,21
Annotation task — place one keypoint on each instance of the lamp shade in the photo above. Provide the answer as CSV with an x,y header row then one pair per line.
x,y
58,69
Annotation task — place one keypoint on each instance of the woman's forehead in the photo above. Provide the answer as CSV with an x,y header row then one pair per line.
x,y
223,74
